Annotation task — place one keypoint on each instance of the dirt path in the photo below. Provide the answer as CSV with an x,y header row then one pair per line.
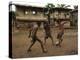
x,y
21,42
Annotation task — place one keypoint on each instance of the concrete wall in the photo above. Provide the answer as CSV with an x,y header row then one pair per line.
x,y
40,14
74,18
61,15
28,13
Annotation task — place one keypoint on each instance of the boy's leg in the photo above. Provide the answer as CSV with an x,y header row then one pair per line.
x,y
58,44
29,33
45,41
46,37
60,39
32,43
52,40
41,45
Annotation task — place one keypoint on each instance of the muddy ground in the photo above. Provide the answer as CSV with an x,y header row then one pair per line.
x,y
21,42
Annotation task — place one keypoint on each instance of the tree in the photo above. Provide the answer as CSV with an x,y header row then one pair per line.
x,y
49,6
75,6
63,6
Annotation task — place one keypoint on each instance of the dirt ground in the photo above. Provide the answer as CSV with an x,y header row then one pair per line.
x,y
21,42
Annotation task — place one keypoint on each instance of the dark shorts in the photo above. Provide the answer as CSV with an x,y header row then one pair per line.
x,y
60,35
35,38
48,35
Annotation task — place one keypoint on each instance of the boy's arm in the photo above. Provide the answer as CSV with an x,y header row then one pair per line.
x,y
30,31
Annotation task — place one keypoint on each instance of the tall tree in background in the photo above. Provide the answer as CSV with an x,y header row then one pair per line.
x,y
75,6
63,6
49,6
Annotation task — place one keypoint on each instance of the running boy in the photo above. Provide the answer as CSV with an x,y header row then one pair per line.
x,y
35,38
60,32
47,32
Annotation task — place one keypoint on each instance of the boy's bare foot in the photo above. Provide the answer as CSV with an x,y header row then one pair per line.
x,y
58,45
44,51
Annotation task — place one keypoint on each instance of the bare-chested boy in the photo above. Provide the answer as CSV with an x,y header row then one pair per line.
x,y
33,35
47,32
60,32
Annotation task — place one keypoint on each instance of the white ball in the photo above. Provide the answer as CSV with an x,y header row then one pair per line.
x,y
57,42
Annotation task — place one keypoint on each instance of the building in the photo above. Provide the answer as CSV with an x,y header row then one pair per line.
x,y
26,13
62,14
74,17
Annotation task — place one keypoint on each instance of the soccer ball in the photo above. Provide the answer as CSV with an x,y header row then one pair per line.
x,y
57,42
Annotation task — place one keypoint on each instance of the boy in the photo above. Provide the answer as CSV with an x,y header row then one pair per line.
x,y
35,38
60,32
47,32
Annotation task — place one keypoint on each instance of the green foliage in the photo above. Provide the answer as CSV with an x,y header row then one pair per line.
x,y
50,5
63,6
75,6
